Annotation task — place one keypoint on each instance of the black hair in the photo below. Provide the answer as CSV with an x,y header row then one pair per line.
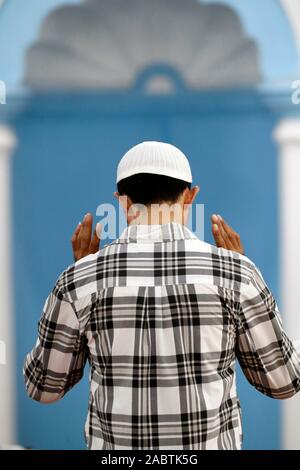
x,y
146,188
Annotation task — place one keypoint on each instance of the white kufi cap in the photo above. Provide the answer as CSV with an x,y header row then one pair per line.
x,y
157,158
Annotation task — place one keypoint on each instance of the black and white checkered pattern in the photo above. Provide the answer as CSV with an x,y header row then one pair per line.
x,y
162,317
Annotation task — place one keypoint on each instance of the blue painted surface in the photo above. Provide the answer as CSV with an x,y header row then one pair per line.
x,y
65,165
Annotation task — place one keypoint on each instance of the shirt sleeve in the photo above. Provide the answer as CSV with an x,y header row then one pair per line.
x,y
57,361
268,357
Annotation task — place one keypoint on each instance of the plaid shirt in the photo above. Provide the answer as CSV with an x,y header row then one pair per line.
x,y
161,317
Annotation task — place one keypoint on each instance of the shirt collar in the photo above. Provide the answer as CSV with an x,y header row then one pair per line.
x,y
155,233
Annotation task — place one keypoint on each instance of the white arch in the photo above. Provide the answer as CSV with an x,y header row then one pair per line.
x,y
101,45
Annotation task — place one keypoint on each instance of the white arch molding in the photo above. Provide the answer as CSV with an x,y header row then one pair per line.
x,y
7,359
287,136
106,45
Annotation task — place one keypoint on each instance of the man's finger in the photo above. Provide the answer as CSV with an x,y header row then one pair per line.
x,y
233,236
85,234
74,239
94,246
229,231
224,234
218,236
230,236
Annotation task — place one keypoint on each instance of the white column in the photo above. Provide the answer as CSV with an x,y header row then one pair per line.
x,y
287,135
7,359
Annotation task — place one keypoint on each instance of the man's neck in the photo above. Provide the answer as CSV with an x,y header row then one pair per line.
x,y
159,214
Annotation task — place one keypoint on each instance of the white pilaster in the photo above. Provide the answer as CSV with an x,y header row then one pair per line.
x,y
287,135
7,360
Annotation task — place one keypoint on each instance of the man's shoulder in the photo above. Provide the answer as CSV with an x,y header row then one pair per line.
x,y
204,263
82,278
227,268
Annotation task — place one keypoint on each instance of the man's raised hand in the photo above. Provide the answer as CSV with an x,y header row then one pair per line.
x,y
225,236
84,240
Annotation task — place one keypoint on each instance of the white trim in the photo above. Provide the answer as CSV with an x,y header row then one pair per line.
x,y
7,369
287,136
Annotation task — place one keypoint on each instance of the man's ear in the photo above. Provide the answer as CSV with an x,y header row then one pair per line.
x,y
191,194
124,200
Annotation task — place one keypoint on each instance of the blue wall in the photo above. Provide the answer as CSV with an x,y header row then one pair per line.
x,y
65,165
